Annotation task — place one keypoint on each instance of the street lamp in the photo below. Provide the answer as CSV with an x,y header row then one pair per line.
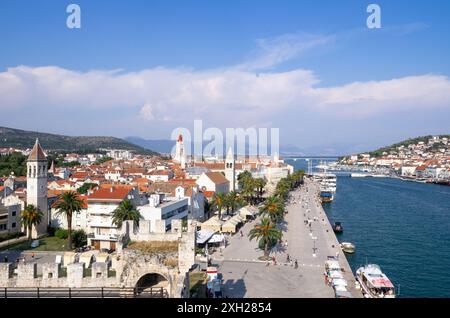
x,y
314,238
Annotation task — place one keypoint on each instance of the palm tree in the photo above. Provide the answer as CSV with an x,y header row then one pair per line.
x,y
273,208
30,216
260,183
243,177
218,202
266,233
67,204
126,212
232,201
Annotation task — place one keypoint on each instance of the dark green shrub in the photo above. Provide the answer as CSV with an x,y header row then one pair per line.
x,y
61,233
79,238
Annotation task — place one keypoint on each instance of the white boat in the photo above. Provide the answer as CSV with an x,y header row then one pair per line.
x,y
348,247
359,175
374,282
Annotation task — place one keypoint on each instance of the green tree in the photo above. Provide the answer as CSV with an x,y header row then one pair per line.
x,y
79,238
260,183
15,162
218,202
125,212
31,216
232,201
266,233
273,208
85,187
67,204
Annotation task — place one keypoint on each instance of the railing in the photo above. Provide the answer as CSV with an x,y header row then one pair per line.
x,y
104,292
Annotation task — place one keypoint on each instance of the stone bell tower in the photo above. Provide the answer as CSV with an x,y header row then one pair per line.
x,y
37,186
230,169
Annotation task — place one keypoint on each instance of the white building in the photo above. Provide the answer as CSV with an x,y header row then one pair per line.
x,y
119,154
213,181
159,208
102,233
9,219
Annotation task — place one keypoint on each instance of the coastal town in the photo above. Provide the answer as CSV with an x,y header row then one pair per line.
x,y
126,225
426,161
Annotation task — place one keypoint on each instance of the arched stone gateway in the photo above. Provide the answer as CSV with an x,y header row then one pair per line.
x,y
152,285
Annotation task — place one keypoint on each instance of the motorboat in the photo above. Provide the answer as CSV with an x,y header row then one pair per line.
x,y
326,196
348,247
337,227
374,282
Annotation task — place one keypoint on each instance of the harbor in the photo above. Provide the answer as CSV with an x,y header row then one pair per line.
x,y
308,238
395,224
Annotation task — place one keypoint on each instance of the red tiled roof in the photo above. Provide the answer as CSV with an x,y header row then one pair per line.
x,y
116,194
217,177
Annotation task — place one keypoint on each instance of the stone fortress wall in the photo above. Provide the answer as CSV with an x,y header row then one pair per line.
x,y
128,265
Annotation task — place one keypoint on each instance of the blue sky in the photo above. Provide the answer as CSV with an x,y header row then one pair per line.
x,y
314,55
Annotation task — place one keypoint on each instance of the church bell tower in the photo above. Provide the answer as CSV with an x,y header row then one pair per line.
x,y
37,186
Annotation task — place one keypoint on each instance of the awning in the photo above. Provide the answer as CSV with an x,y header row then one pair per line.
x,y
343,294
247,211
332,265
213,224
335,274
229,227
340,288
217,238
203,235
339,281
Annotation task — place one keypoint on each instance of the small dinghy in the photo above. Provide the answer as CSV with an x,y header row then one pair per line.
x,y
348,247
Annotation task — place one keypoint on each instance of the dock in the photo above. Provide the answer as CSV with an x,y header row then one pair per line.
x,y
245,276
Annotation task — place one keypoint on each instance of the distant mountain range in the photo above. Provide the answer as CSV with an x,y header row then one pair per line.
x,y
165,146
17,138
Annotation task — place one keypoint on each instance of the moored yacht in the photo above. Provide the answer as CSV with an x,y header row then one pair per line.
x,y
374,282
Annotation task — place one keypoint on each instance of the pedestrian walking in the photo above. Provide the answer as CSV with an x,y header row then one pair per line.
x,y
288,259
32,255
296,264
274,260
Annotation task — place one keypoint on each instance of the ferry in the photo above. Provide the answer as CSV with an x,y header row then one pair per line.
x,y
374,282
326,196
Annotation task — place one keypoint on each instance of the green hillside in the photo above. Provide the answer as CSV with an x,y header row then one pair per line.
x,y
10,137
379,152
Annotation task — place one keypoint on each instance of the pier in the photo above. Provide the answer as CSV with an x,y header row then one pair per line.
x,y
245,276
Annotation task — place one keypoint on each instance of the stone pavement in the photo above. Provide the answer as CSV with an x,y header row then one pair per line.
x,y
245,276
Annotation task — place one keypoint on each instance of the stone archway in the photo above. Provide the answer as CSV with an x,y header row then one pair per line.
x,y
152,285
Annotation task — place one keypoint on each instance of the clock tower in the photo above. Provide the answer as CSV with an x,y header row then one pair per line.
x,y
37,186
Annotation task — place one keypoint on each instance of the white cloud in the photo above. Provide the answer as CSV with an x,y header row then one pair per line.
x,y
277,50
244,95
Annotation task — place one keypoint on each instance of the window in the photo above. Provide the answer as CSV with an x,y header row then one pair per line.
x,y
2,227
13,225
50,275
13,213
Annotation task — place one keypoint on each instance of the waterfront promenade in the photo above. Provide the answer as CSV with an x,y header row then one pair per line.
x,y
245,276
